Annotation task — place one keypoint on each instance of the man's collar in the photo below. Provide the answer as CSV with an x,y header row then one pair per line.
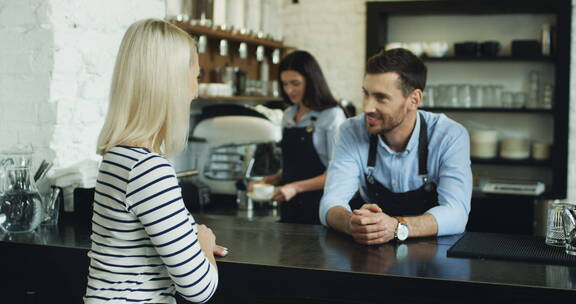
x,y
412,142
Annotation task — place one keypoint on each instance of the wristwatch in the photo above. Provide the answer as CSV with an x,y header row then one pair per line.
x,y
402,230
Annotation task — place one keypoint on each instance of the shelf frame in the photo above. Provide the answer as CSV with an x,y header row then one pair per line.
x,y
548,59
489,110
377,36
512,162
198,30
241,98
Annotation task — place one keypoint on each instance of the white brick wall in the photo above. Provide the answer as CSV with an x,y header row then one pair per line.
x,y
87,34
25,61
335,33
56,63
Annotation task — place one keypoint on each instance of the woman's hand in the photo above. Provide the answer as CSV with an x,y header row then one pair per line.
x,y
220,251
286,193
207,240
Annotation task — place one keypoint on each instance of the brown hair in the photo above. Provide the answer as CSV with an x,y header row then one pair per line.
x,y
410,69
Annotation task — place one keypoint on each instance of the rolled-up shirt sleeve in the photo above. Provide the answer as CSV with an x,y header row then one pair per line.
x,y
454,185
342,181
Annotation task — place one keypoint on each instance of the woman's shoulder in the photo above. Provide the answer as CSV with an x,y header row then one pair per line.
x,y
332,115
131,157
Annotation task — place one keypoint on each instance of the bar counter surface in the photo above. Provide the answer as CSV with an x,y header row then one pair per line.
x,y
272,262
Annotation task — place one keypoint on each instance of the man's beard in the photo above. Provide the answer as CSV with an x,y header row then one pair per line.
x,y
387,124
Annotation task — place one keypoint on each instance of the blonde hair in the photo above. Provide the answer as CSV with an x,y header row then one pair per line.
x,y
151,89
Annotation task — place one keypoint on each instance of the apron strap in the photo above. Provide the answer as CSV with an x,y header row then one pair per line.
x,y
372,158
423,147
310,128
422,152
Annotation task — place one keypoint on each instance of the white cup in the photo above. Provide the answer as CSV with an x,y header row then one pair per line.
x,y
202,89
212,89
394,45
435,48
415,47
540,151
263,190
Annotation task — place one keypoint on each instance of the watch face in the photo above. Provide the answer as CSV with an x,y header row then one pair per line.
x,y
402,232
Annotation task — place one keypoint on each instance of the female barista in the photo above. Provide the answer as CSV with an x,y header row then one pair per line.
x,y
308,130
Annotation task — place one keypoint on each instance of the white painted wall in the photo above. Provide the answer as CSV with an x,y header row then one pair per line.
x,y
56,63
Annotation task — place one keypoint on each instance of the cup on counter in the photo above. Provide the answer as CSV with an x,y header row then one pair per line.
x,y
483,143
554,226
51,205
263,190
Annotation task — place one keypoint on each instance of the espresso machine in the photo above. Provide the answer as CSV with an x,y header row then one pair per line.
x,y
225,141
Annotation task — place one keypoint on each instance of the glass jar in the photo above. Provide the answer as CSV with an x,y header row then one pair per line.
x,y
20,203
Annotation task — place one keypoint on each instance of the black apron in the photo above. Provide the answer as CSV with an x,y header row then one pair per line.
x,y
300,161
415,202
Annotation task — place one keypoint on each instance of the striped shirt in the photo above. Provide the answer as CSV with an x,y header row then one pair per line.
x,y
144,240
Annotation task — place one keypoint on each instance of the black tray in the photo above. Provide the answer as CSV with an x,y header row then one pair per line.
x,y
511,248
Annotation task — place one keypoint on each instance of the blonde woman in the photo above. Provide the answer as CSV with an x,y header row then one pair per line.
x,y
145,244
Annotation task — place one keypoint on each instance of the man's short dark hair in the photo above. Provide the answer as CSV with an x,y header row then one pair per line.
x,y
410,69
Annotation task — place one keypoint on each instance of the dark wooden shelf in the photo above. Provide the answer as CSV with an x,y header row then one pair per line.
x,y
511,162
485,59
488,110
197,30
241,98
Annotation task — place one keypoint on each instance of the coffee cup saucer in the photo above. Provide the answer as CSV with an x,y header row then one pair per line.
x,y
257,198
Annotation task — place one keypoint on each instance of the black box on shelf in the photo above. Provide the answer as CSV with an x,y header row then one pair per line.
x,y
526,48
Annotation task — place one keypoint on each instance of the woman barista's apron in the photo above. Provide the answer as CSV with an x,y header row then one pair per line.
x,y
300,161
415,202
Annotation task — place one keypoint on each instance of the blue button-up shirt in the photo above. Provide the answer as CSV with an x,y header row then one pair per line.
x,y
448,167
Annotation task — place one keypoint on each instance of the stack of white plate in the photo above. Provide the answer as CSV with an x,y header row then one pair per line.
x,y
483,144
515,148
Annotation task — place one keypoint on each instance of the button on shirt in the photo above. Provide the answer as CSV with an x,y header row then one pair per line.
x,y
325,126
448,167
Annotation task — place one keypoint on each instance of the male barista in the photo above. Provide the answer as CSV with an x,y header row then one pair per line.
x,y
412,167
